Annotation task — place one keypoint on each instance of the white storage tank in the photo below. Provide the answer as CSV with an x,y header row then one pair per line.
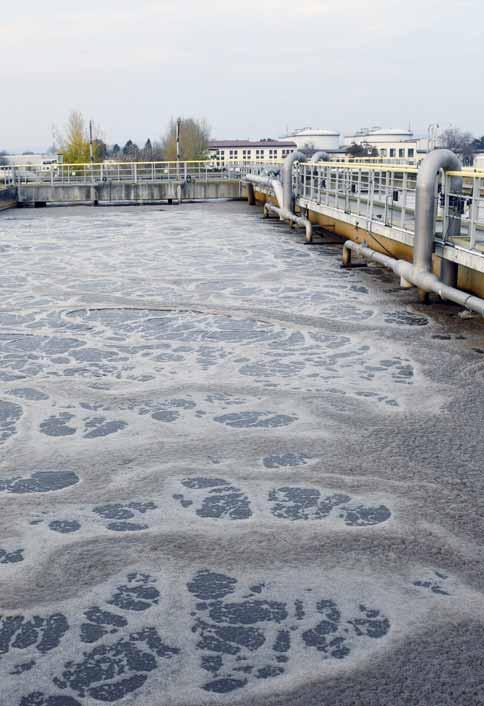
x,y
389,135
316,139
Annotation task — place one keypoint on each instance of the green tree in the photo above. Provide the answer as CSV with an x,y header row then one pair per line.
x,y
194,136
147,154
73,141
363,150
131,151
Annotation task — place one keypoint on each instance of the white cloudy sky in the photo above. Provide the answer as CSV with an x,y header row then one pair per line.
x,y
250,67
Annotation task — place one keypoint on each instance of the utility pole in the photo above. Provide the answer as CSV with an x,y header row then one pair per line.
x,y
91,150
177,137
178,126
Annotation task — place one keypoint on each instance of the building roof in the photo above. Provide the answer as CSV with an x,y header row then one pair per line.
x,y
222,144
314,132
381,131
390,131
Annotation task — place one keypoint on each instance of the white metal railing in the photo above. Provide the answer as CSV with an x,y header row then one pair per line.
x,y
382,194
386,195
466,208
133,172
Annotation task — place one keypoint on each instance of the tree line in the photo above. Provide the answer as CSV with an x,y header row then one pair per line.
x,y
74,144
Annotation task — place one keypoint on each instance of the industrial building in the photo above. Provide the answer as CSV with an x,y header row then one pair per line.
x,y
389,142
250,150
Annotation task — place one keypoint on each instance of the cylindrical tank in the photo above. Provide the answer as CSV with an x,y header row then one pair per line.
x,y
316,139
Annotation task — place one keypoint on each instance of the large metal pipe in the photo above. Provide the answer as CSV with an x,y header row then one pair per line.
x,y
286,215
288,196
425,204
425,281
258,179
268,182
320,156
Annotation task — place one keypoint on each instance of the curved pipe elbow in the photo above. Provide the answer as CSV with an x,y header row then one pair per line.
x,y
425,203
320,156
287,168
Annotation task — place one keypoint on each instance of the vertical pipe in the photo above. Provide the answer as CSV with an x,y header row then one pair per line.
x,y
288,196
425,205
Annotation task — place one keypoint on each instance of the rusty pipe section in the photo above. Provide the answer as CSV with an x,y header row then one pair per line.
x,y
286,215
424,280
288,196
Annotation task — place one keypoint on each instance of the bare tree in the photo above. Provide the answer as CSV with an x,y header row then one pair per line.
x,y
194,136
73,141
460,142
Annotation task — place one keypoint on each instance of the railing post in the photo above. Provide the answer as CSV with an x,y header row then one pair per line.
x,y
474,214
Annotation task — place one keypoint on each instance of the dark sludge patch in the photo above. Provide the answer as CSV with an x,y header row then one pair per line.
x,y
104,617
37,698
65,526
166,415
283,641
120,511
10,413
202,482
17,632
255,420
126,527
11,557
435,585
370,623
362,516
405,318
297,503
225,685
227,639
138,594
111,672
104,428
208,585
220,501
101,623
93,633
233,636
40,482
248,612
284,459
330,635
211,663
233,505
291,503
269,671
57,425
29,393
22,667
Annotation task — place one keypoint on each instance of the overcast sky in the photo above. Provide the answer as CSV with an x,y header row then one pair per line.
x,y
251,67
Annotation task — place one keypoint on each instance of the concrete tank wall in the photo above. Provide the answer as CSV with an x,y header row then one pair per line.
x,y
31,194
8,198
